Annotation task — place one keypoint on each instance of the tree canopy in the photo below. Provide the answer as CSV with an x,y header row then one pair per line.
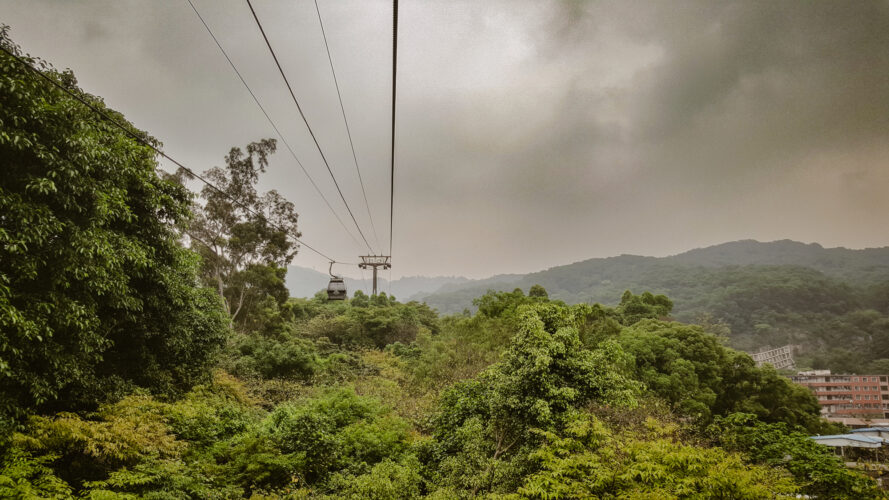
x,y
97,296
246,238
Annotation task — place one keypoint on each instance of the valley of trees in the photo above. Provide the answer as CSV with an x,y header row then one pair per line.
x,y
148,349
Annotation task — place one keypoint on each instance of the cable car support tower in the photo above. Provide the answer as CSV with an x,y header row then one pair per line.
x,y
375,262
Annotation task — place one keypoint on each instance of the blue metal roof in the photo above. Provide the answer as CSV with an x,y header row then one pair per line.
x,y
872,429
850,437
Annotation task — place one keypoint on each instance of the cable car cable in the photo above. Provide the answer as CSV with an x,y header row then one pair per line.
x,y
392,167
145,142
271,122
306,121
346,121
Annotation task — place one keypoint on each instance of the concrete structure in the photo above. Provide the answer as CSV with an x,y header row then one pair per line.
x,y
865,396
780,358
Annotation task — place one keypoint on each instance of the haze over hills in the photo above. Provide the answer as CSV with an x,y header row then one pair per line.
x,y
305,282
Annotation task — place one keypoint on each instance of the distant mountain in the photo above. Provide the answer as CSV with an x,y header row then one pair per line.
x,y
684,277
865,265
407,287
305,282
497,281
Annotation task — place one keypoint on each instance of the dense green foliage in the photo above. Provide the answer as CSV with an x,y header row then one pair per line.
x,y
536,400
97,296
700,377
589,460
106,330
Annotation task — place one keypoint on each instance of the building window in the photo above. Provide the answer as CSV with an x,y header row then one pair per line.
x,y
854,379
858,396
857,388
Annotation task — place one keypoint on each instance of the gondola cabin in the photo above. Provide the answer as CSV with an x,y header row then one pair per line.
x,y
336,289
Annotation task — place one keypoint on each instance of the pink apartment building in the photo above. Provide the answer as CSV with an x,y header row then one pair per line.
x,y
848,395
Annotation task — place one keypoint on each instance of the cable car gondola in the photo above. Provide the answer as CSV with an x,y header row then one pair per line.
x,y
336,288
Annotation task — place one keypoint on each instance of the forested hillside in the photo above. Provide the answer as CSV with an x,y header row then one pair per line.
x,y
149,349
832,302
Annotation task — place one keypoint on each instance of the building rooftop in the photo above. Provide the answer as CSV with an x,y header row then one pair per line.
x,y
872,429
850,440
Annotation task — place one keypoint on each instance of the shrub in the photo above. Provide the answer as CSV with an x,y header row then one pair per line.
x,y
588,460
26,477
335,430
117,435
274,358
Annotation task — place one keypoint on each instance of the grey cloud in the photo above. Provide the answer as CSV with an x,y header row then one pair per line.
x,y
531,133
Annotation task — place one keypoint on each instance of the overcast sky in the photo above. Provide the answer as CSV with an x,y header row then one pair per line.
x,y
530,133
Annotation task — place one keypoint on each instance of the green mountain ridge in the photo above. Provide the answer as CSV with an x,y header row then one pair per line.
x,y
598,279
767,294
